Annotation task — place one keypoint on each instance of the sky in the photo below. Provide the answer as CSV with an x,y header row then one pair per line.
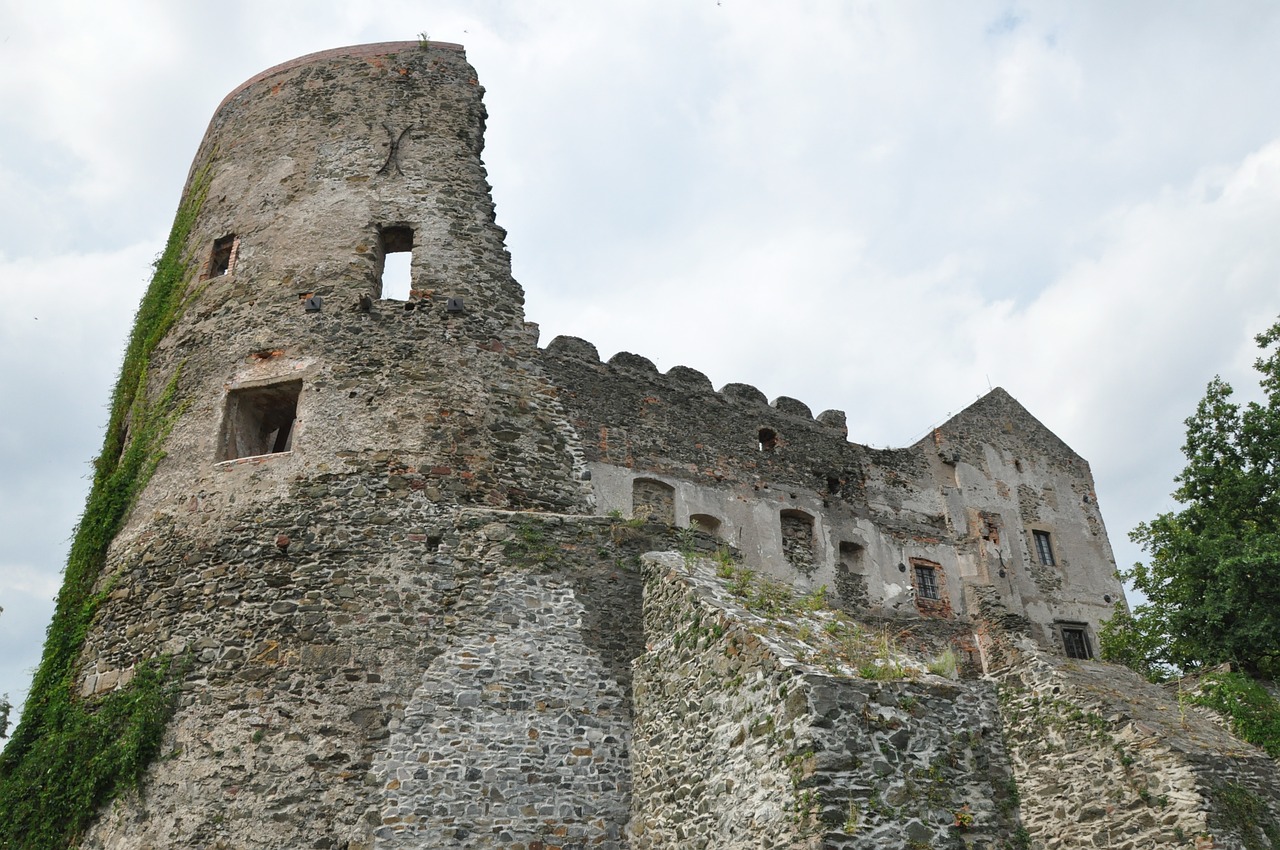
x,y
884,208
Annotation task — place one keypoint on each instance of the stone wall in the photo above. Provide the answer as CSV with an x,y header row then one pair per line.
x,y
968,498
752,732
481,694
398,675
1105,759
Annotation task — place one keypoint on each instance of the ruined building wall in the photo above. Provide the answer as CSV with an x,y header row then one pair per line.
x,y
812,508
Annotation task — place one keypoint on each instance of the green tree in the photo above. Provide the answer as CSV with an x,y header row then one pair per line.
x,y
5,709
1213,578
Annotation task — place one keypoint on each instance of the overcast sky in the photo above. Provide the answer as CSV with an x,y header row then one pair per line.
x,y
883,208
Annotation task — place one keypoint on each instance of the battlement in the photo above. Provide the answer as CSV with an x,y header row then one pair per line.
x,y
684,379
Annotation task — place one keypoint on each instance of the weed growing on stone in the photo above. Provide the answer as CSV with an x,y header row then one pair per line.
x,y
876,659
1245,813
1021,840
686,544
805,804
741,580
814,600
1008,797
530,544
852,817
944,664
770,598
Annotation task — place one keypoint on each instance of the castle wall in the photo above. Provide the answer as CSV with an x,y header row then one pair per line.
x,y
752,732
758,724
302,172
967,501
1004,465
463,680
1104,758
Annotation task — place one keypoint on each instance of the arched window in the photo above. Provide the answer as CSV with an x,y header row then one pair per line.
x,y
705,522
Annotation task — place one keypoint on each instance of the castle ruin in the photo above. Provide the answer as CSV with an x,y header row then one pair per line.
x,y
439,587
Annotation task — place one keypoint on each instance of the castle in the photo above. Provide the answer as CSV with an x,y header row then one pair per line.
x,y
439,587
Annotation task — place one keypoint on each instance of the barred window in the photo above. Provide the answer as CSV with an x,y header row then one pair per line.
x,y
1075,639
926,582
1044,549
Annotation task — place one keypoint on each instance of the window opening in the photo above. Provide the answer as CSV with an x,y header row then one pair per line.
x,y
1075,639
991,528
223,257
259,420
396,279
926,582
1044,549
930,584
768,439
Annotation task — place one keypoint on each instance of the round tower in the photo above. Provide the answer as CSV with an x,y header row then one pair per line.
x,y
275,513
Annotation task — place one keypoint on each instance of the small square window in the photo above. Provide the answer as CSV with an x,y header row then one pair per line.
x,y
1044,549
1075,640
926,582
259,420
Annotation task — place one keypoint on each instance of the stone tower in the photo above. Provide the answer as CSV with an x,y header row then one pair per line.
x,y
362,571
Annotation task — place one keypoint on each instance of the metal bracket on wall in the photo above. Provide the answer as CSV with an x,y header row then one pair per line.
x,y
393,153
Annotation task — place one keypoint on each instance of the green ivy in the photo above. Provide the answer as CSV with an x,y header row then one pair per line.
x,y
70,755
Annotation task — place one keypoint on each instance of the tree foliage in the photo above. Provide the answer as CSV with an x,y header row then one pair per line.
x,y
1213,578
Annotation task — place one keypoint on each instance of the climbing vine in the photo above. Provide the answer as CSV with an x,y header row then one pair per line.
x,y
71,754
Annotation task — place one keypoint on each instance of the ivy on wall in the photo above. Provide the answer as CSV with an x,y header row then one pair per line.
x,y
71,754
